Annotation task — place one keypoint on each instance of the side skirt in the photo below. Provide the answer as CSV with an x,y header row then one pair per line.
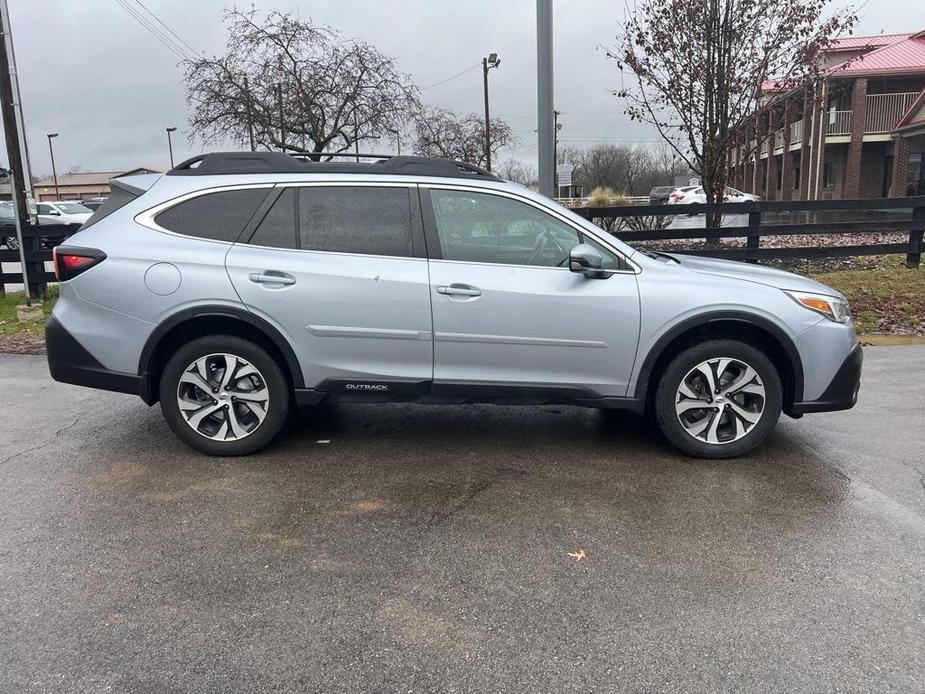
x,y
452,393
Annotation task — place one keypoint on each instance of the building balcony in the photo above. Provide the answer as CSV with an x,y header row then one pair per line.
x,y
885,110
796,133
837,122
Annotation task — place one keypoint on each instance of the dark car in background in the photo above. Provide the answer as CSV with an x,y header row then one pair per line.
x,y
659,195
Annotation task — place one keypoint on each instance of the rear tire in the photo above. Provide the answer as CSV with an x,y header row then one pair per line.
x,y
718,399
224,395
12,243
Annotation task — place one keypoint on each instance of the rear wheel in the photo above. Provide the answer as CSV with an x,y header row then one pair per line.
x,y
224,395
12,243
718,399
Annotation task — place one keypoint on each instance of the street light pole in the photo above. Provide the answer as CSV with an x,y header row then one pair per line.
x,y
544,97
170,144
54,173
487,64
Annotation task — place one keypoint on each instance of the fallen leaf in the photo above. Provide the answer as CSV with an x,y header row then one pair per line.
x,y
578,556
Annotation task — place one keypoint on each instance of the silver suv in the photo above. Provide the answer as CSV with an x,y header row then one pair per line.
x,y
241,284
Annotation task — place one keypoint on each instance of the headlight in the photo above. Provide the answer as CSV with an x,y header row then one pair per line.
x,y
831,307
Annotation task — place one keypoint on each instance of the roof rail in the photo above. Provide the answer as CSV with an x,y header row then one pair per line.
x,y
218,163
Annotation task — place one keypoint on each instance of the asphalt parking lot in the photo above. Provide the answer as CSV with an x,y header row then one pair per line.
x,y
416,549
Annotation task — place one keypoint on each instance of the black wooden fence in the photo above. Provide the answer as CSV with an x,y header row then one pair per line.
x,y
757,227
36,237
37,241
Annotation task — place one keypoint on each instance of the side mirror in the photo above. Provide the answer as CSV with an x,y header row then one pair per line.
x,y
586,260
54,213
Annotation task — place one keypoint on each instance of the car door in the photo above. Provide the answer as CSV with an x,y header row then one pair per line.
x,y
508,311
340,269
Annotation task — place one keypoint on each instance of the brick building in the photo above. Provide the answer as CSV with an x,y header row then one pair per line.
x,y
82,186
859,134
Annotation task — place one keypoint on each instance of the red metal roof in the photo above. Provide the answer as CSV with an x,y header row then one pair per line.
x,y
850,42
906,54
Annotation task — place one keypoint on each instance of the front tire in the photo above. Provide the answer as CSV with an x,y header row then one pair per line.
x,y
12,243
224,395
718,399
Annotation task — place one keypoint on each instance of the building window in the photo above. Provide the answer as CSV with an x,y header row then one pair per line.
x,y
829,171
915,176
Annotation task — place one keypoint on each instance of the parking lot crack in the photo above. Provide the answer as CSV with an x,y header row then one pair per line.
x,y
39,446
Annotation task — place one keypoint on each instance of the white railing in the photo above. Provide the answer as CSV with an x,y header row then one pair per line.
x,y
885,110
837,122
778,139
796,132
765,145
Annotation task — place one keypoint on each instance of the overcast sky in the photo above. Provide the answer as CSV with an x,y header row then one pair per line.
x,y
92,73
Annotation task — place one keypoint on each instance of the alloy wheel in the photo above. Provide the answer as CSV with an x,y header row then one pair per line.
x,y
720,400
223,397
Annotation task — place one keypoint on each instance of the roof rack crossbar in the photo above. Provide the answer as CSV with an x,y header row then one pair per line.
x,y
219,163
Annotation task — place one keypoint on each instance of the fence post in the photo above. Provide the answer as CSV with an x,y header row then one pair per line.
x,y
753,242
914,254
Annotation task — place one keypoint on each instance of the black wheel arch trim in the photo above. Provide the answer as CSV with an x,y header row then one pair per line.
x,y
704,319
185,315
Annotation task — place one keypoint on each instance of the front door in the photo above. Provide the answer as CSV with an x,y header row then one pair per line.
x,y
340,270
507,310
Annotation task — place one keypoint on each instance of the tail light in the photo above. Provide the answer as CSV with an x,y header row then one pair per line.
x,y
70,262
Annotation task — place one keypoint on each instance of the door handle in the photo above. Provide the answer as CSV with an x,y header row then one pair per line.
x,y
459,290
269,278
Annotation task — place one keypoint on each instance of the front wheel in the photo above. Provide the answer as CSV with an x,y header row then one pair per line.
x,y
718,399
12,243
224,395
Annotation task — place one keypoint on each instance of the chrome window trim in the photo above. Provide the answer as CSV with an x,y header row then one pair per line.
x,y
146,218
635,269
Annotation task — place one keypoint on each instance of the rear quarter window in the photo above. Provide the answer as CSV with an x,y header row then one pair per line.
x,y
219,216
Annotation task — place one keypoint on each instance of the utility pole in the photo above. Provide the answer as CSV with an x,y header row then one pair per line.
x,y
250,113
170,145
54,171
282,120
544,97
20,177
487,64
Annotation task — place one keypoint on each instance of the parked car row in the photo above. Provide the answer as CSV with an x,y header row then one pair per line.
x,y
62,219
689,195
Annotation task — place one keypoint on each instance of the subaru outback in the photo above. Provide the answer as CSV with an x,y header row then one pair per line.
x,y
240,285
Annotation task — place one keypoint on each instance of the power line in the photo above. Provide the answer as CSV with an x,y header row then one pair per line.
x,y
172,46
449,79
172,32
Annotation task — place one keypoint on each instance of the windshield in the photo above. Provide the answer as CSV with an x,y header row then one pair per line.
x,y
73,208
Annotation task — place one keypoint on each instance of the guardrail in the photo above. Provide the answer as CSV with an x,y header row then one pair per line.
x,y
755,229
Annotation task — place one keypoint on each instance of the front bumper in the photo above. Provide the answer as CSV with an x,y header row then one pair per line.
x,y
70,362
841,393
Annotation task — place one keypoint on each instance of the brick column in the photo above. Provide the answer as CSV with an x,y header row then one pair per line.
x,y
900,164
770,188
856,146
786,160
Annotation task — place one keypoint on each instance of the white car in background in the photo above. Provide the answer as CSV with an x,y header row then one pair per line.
x,y
63,212
691,195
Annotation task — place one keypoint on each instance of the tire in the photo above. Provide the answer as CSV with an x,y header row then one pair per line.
x,y
728,423
215,415
11,242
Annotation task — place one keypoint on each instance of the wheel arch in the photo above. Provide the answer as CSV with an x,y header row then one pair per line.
x,y
200,321
757,331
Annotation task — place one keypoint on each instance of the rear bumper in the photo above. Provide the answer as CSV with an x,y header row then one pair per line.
x,y
842,392
69,362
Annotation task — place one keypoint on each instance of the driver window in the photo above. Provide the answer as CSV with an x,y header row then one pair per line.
x,y
485,228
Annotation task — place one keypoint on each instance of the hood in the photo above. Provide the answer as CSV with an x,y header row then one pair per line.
x,y
753,273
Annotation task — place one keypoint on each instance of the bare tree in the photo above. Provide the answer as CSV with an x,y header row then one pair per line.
x,y
518,171
443,133
285,83
700,67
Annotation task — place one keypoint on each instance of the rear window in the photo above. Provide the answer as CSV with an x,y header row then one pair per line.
x,y
219,216
119,197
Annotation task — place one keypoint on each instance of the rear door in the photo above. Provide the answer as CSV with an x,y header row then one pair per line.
x,y
507,310
340,269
